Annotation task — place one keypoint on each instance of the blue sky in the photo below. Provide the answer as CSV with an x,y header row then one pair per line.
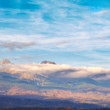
x,y
74,32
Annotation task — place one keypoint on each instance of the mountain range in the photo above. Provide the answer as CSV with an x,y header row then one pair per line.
x,y
47,83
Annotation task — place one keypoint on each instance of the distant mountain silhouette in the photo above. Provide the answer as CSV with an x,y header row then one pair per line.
x,y
50,81
47,62
13,101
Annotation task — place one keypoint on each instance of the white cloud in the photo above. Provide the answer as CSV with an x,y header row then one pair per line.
x,y
61,71
82,28
79,28
102,12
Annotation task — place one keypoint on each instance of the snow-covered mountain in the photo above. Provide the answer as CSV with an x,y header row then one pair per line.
x,y
78,84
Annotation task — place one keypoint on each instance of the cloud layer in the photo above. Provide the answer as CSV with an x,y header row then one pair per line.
x,y
16,45
74,27
29,71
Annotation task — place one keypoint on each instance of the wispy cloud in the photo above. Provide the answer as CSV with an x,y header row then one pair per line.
x,y
72,21
102,12
62,27
16,45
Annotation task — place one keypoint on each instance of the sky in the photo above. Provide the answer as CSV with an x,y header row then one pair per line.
x,y
73,32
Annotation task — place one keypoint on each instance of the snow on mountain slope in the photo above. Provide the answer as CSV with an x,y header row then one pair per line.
x,y
53,81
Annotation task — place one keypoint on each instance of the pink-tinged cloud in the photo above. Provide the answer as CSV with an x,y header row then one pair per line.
x,y
29,71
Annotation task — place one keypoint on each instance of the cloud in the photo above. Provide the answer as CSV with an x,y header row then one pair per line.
x,y
81,29
29,71
65,27
102,12
16,45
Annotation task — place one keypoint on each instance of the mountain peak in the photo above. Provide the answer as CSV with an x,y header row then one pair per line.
x,y
5,61
47,62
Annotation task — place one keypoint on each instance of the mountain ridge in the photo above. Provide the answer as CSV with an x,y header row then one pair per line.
x,y
27,102
56,82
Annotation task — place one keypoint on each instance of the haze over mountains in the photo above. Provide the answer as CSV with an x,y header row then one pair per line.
x,y
48,81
